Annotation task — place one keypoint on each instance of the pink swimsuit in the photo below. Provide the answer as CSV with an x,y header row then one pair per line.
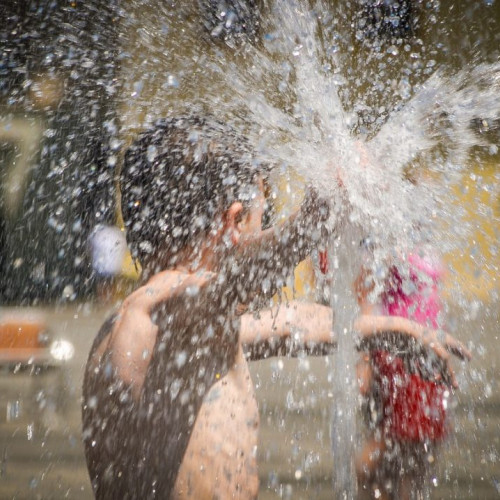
x,y
414,406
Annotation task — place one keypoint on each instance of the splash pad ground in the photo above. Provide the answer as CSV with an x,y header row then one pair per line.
x,y
42,453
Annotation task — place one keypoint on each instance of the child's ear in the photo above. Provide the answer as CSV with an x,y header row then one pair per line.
x,y
232,222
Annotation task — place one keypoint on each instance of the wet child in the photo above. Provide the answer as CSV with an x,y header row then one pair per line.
x,y
168,404
407,388
169,409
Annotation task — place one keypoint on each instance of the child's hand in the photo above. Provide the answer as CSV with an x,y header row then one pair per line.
x,y
377,332
442,344
456,347
131,354
164,286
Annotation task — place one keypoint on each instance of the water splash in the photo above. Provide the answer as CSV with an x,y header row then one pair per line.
x,y
298,87
286,92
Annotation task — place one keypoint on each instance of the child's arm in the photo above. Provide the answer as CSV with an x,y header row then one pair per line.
x,y
441,343
133,336
295,238
287,329
271,257
298,326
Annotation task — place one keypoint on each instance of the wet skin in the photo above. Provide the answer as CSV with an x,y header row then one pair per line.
x,y
220,460
171,371
169,409
215,419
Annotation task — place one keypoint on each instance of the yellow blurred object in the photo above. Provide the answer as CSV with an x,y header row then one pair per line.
x,y
291,192
303,282
475,269
130,269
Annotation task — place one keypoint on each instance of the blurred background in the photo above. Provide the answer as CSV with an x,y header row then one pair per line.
x,y
78,80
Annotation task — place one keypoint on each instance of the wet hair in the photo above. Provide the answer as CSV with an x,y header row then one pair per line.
x,y
177,178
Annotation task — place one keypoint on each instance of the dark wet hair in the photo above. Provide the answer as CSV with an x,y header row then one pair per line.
x,y
176,178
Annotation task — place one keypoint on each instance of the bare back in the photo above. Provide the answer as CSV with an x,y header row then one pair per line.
x,y
193,421
220,460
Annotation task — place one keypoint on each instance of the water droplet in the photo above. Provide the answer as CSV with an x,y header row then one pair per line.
x,y
175,388
172,81
151,153
13,410
488,390
180,359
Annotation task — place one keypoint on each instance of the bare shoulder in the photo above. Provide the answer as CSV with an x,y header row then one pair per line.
x,y
159,289
164,286
132,338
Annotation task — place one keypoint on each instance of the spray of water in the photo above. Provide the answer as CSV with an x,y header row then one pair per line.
x,y
377,124
285,92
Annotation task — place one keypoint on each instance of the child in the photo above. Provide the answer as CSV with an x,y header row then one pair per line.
x,y
168,405
407,389
168,408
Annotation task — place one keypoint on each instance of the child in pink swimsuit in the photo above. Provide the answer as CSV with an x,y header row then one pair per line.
x,y
414,401
406,388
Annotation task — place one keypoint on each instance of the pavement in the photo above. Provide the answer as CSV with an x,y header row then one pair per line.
x,y
41,454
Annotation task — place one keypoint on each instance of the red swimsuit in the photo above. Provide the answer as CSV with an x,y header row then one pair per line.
x,y
414,409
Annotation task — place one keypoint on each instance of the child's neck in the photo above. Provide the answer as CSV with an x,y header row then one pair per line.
x,y
204,259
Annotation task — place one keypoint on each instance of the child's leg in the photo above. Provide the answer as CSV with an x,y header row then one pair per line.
x,y
371,471
411,487
364,374
369,458
410,473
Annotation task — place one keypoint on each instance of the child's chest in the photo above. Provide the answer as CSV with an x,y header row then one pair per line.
x,y
220,459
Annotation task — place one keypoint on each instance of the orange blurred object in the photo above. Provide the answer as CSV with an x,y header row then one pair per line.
x,y
23,339
19,335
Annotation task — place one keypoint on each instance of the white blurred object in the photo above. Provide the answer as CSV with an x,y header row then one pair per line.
x,y
108,246
62,350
